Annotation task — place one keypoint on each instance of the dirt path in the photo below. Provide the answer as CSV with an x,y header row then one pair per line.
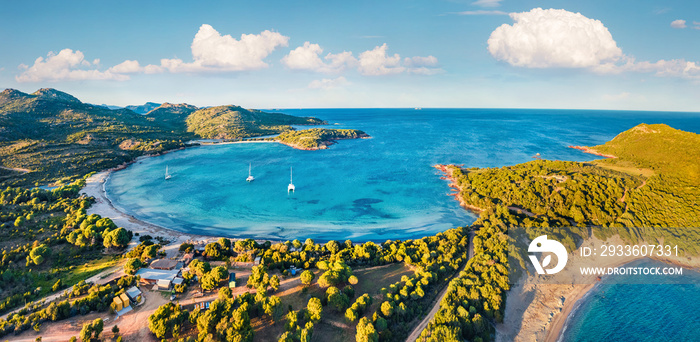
x,y
415,334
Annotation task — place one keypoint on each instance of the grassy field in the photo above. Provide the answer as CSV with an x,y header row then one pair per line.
x,y
333,326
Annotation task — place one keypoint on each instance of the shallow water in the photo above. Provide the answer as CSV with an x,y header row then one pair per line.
x,y
368,189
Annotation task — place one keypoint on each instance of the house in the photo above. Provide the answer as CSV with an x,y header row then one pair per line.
x,y
125,299
163,264
187,258
134,294
178,281
257,260
164,284
151,276
232,280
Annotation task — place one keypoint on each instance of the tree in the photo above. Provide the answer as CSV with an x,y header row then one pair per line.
x,y
132,265
387,308
57,285
213,250
86,332
199,268
39,253
307,277
333,246
115,330
350,314
209,281
119,237
352,280
167,318
339,301
366,331
275,282
259,277
97,326
314,309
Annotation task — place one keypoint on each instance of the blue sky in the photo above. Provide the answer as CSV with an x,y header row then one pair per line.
x,y
480,53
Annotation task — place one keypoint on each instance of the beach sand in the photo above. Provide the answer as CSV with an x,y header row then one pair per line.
x,y
95,187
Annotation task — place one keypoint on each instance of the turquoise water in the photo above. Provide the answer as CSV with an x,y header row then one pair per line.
x,y
666,311
369,189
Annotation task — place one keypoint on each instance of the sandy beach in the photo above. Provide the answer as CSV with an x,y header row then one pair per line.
x,y
95,187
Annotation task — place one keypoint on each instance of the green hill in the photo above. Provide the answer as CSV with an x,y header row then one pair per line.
x,y
233,122
659,147
318,138
612,196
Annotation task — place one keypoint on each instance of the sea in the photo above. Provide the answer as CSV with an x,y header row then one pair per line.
x,y
386,188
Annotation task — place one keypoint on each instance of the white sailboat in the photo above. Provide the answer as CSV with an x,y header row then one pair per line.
x,y
290,187
250,176
167,175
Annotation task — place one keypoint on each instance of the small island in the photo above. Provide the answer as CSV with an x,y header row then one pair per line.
x,y
318,138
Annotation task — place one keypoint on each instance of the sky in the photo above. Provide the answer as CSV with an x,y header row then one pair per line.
x,y
597,54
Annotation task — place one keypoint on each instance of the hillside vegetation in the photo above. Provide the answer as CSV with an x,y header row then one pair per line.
x,y
233,122
318,138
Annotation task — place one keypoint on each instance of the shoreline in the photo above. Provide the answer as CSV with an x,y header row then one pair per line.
x,y
590,150
456,189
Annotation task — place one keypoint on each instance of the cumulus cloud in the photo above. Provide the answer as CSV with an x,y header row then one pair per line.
x,y
213,52
378,62
487,3
307,57
329,83
67,65
679,24
553,38
373,62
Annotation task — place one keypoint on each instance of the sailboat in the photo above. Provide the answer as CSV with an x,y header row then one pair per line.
x,y
167,175
290,187
250,176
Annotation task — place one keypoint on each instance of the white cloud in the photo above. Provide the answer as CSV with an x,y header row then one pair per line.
x,y
377,62
671,68
679,24
482,12
553,38
213,52
487,3
127,67
329,83
67,65
560,39
373,62
307,57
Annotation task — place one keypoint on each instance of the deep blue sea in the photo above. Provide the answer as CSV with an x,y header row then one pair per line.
x,y
366,189
615,310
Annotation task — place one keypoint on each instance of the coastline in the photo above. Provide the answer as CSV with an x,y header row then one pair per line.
x,y
455,188
94,187
590,150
